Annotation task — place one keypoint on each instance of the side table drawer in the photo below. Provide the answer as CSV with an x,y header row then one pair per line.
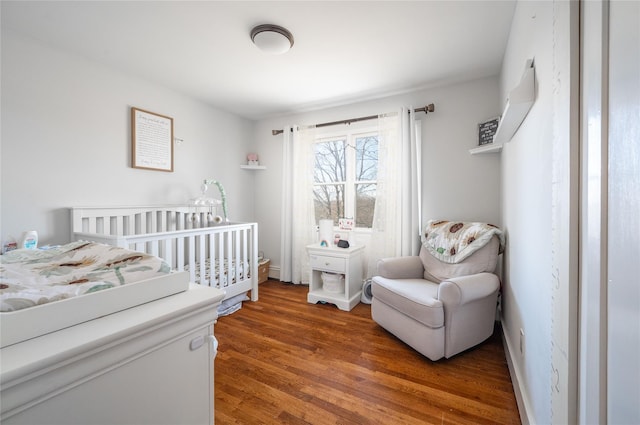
x,y
324,262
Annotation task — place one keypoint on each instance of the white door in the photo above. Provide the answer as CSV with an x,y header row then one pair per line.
x,y
610,214
623,289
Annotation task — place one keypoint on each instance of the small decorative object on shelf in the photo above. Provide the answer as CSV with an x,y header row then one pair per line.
x,y
252,159
486,131
9,245
345,223
343,244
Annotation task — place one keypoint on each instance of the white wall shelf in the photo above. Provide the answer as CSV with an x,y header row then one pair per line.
x,y
490,148
519,102
253,167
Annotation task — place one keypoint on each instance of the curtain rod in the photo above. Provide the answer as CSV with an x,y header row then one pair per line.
x,y
426,109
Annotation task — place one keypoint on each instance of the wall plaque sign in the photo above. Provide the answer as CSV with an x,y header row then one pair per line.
x,y
151,140
487,130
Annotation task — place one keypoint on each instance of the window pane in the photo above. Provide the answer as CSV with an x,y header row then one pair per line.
x,y
328,201
365,203
330,163
367,158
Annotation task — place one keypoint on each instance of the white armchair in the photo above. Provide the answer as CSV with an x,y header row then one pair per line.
x,y
440,309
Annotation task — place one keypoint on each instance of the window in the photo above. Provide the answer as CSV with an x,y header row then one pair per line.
x,y
345,177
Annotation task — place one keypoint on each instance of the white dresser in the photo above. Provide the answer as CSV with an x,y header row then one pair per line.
x,y
150,364
345,261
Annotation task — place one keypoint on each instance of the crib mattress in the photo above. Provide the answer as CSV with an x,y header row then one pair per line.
x,y
45,291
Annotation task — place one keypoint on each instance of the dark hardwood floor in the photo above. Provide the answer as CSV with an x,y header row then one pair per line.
x,y
284,361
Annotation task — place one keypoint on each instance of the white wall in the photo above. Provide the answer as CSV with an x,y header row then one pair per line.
x,y
456,185
66,142
539,169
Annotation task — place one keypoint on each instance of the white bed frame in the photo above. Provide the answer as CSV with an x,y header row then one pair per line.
x,y
167,232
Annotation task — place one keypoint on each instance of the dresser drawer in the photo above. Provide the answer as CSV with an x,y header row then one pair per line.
x,y
324,262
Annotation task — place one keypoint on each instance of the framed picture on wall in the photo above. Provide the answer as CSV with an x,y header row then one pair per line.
x,y
487,130
151,140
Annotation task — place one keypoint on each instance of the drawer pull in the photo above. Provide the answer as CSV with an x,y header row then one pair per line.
x,y
196,343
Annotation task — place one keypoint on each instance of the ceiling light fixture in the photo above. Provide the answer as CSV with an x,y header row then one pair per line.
x,y
272,39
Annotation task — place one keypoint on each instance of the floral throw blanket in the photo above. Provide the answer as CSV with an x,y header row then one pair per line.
x,y
30,277
452,242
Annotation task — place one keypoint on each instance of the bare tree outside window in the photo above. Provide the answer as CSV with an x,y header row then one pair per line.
x,y
329,179
366,178
345,178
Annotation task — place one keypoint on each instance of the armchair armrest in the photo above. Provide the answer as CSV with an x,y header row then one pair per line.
x,y
465,289
409,267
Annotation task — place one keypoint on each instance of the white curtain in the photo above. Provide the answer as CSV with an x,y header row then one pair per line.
x,y
397,215
298,217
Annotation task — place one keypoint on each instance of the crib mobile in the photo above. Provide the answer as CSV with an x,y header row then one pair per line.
x,y
209,204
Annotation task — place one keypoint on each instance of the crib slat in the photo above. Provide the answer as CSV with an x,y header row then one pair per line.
x,y
180,253
236,255
201,259
245,251
229,252
214,259
220,270
154,248
192,261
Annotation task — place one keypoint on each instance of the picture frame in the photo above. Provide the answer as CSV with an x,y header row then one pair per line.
x,y
345,223
151,140
486,131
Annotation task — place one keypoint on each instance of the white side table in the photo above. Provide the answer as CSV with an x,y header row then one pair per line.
x,y
346,261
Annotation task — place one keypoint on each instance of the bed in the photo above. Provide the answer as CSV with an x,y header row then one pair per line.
x,y
223,256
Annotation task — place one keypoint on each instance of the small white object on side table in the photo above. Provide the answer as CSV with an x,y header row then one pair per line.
x,y
346,261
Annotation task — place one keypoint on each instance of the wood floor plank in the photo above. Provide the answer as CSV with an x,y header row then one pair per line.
x,y
284,361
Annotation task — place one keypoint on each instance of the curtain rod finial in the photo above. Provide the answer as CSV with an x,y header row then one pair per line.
x,y
430,108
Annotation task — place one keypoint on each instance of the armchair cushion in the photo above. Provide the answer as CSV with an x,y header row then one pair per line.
x,y
415,298
483,260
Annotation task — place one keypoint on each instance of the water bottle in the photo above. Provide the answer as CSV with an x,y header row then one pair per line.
x,y
30,240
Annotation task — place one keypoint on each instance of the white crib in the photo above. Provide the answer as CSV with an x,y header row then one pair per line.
x,y
223,256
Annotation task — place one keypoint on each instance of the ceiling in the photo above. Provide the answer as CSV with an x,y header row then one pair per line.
x,y
344,51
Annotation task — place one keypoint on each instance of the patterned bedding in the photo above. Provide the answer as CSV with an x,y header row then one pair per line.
x,y
216,278
31,277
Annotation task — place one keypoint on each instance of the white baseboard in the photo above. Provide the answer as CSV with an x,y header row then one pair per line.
x,y
523,405
274,272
